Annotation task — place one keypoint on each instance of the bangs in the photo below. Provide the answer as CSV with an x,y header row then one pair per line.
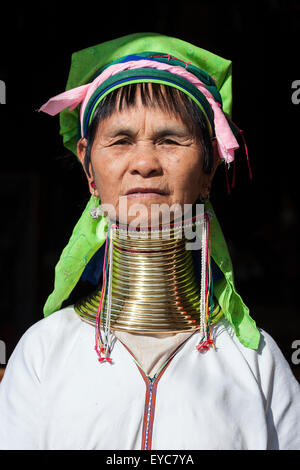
x,y
155,95
152,95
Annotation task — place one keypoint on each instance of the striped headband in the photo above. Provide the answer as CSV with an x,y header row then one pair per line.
x,y
154,69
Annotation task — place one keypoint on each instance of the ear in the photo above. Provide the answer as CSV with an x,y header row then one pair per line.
x,y
81,151
208,178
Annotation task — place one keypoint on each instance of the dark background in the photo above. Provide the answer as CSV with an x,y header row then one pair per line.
x,y
43,189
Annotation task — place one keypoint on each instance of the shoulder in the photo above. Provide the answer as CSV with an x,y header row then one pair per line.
x,y
48,328
275,367
36,344
267,363
267,347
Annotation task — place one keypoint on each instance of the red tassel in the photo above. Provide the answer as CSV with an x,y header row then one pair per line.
x,y
233,176
246,150
105,359
227,179
205,345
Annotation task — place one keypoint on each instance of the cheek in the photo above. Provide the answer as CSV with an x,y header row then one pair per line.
x,y
107,177
186,175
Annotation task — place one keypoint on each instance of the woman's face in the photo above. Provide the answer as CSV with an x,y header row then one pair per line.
x,y
142,157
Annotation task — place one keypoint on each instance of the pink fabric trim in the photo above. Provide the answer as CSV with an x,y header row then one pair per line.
x,y
69,99
227,143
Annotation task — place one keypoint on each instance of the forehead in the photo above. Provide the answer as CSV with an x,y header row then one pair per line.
x,y
145,101
141,117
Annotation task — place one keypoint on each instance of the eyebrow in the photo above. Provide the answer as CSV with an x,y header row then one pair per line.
x,y
159,133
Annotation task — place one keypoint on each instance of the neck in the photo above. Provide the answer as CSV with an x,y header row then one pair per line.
x,y
151,287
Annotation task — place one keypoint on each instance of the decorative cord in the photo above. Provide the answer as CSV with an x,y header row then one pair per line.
x,y
103,344
206,293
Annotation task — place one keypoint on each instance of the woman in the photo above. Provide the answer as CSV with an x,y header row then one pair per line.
x,y
162,354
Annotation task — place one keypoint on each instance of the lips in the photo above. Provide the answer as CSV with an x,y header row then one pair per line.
x,y
141,190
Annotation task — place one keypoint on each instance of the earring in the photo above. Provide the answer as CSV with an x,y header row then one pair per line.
x,y
96,211
203,199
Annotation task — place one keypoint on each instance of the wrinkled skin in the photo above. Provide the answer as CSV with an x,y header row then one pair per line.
x,y
146,148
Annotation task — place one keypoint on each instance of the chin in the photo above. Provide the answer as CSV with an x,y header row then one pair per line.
x,y
149,212
149,221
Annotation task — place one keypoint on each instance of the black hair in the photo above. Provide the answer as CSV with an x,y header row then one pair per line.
x,y
167,98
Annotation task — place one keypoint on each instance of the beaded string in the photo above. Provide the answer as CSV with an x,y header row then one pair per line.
x,y
98,340
210,302
206,293
109,295
102,346
203,284
171,57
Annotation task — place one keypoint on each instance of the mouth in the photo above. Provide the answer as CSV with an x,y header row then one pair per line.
x,y
145,192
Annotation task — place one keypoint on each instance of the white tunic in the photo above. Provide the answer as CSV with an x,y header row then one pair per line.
x,y
56,395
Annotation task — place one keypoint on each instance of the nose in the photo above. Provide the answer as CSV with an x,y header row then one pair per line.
x,y
145,162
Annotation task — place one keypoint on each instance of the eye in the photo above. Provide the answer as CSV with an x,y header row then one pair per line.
x,y
169,142
122,142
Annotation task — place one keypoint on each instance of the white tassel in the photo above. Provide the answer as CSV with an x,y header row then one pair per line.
x,y
108,335
203,279
107,302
